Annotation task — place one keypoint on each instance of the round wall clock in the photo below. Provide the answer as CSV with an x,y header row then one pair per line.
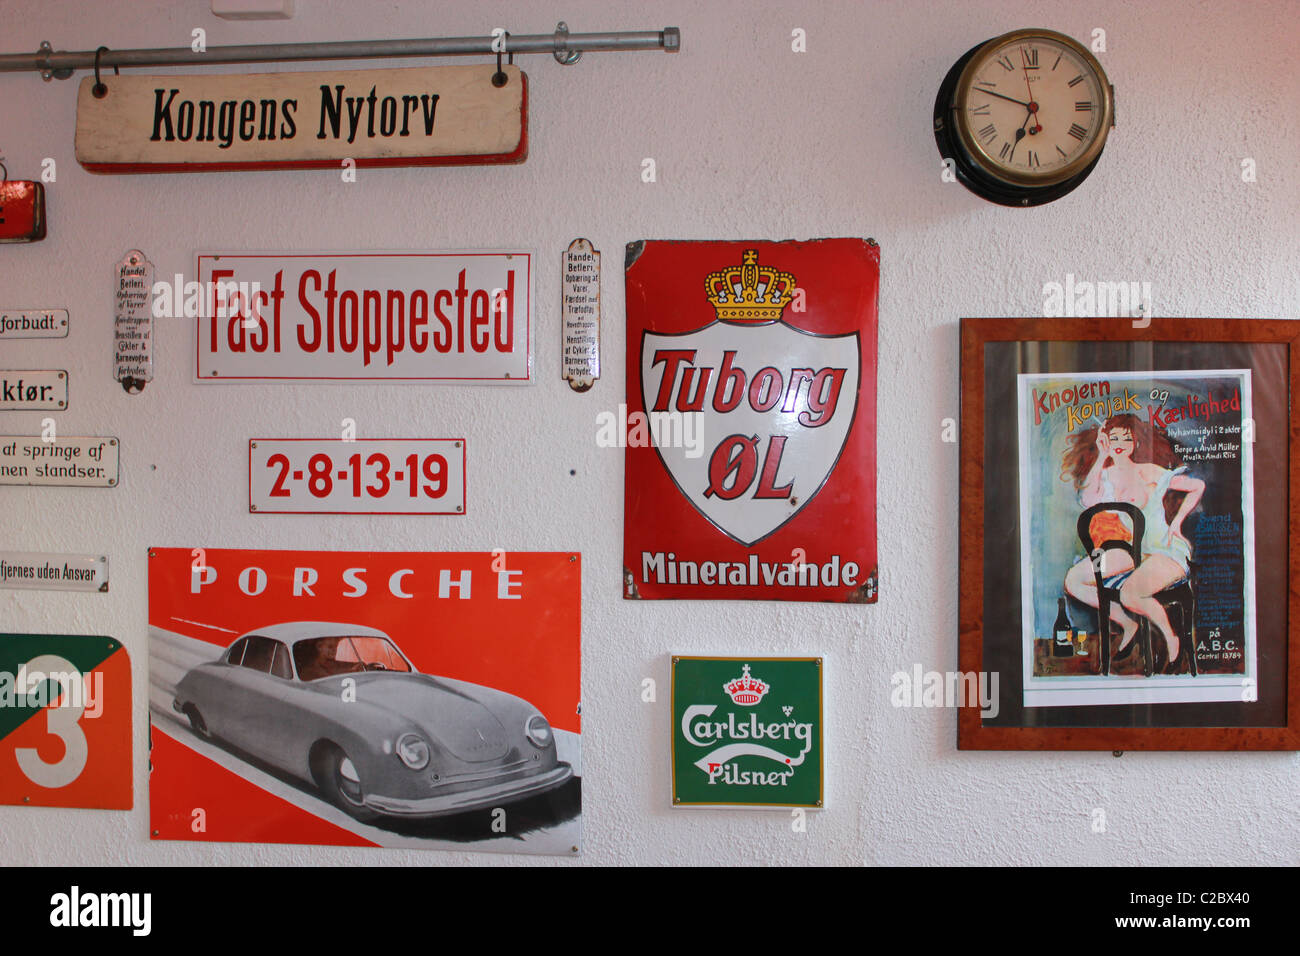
x,y
1024,117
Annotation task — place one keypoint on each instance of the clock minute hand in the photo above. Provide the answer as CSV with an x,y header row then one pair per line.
x,y
1000,96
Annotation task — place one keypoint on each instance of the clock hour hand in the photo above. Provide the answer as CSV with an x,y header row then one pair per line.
x,y
1000,96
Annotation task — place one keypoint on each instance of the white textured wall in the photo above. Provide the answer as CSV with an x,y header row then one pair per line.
x,y
751,140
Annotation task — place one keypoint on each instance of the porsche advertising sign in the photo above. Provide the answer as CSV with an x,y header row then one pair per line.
x,y
751,452
65,721
417,700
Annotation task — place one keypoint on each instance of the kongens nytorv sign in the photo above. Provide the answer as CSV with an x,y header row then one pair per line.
x,y
424,116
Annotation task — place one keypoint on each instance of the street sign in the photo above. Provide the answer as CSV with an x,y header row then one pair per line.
x,y
419,116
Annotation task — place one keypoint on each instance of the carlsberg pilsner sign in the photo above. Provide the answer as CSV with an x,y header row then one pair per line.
x,y
747,732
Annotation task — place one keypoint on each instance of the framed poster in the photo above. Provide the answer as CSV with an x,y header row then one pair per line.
x,y
1127,501
751,409
416,700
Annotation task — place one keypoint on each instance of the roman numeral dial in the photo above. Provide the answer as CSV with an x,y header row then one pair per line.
x,y
1032,108
1022,118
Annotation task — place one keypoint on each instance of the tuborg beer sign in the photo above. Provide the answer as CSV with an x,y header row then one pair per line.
x,y
422,116
751,397
747,731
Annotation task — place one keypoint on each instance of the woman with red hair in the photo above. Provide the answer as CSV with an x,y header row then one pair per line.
x,y
1127,459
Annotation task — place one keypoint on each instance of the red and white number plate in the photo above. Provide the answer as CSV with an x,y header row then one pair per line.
x,y
399,476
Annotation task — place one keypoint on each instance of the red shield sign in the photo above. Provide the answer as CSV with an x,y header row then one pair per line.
x,y
751,404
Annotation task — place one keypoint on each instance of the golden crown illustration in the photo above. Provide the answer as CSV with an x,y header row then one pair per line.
x,y
749,292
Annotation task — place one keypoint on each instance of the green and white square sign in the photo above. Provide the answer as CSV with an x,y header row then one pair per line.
x,y
747,732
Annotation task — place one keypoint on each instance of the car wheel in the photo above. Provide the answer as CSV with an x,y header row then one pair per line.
x,y
339,780
197,723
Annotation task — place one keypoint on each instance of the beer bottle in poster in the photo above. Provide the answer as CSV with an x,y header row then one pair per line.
x,y
1062,634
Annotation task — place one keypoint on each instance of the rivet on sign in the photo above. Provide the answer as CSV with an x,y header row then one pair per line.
x,y
27,799
460,507
457,444
112,441
252,507
1117,753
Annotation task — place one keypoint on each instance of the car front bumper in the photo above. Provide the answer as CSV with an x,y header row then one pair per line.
x,y
489,795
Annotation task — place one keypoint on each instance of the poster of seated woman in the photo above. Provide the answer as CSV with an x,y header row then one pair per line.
x,y
1136,504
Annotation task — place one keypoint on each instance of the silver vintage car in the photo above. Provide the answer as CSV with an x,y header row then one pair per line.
x,y
339,706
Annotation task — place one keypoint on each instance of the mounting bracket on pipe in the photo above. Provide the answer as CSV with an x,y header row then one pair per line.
x,y
566,47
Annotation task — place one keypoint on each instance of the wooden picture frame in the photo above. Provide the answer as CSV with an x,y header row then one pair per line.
x,y
1067,385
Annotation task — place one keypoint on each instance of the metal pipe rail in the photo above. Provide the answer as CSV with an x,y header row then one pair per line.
x,y
566,47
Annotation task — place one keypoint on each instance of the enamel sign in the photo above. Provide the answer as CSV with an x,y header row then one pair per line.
x,y
133,322
747,732
44,389
580,315
420,116
33,323
84,461
399,699
390,317
65,721
53,572
751,407
406,476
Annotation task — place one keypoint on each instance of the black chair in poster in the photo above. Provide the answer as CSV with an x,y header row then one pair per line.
x,y
1177,599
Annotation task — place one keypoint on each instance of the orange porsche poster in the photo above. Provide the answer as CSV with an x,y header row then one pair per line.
x,y
400,699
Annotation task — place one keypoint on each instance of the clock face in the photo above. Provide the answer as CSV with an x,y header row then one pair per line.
x,y
1033,108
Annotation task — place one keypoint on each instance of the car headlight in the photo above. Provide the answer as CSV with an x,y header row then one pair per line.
x,y
538,731
413,751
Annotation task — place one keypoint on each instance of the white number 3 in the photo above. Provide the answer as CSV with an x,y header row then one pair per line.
x,y
62,722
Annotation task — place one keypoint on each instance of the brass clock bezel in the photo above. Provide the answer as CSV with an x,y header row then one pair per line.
x,y
991,167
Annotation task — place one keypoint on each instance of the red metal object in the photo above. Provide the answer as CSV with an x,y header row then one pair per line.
x,y
750,431
22,211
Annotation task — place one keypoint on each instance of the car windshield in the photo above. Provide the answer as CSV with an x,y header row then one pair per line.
x,y
328,656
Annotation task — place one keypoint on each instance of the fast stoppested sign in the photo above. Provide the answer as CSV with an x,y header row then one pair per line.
x,y
65,721
412,317
747,731
421,116
751,438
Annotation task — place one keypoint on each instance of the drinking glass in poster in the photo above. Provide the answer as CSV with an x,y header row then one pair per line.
x,y
1136,507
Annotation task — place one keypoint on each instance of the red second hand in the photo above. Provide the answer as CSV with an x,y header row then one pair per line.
x,y
1033,107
